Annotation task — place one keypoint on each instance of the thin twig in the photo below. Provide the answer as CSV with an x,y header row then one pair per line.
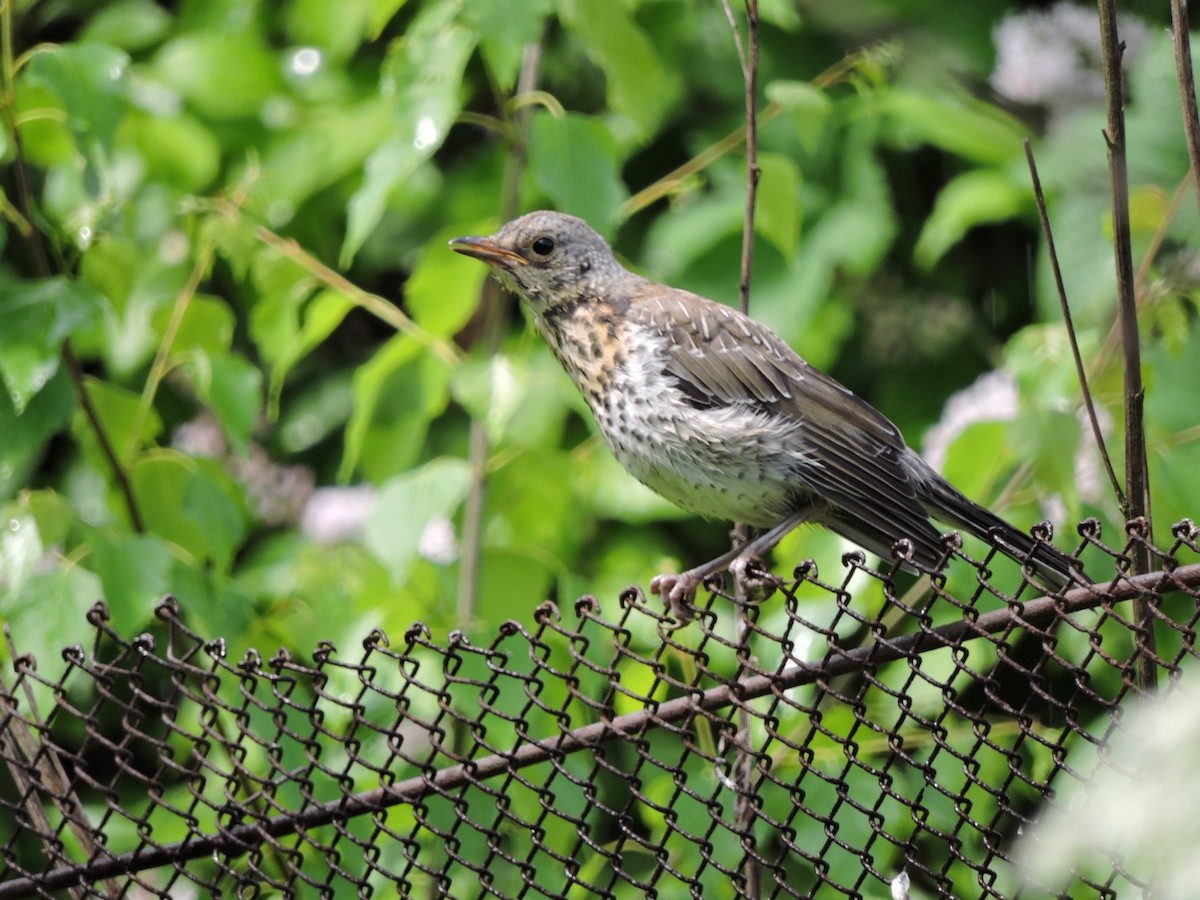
x,y
753,172
1137,480
1080,370
663,186
737,40
1099,362
371,303
495,323
1181,41
162,356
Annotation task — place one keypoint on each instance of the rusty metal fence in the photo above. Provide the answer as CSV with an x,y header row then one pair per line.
x,y
864,735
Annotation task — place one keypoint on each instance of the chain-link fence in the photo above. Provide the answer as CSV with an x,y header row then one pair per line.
x,y
869,736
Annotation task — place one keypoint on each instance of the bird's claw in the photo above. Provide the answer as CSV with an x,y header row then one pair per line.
x,y
678,593
753,582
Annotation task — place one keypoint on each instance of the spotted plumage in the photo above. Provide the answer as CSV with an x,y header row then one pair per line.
x,y
716,413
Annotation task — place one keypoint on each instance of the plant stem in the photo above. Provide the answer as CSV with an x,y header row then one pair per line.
x,y
1137,481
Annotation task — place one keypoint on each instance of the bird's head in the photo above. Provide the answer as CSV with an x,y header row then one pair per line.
x,y
549,258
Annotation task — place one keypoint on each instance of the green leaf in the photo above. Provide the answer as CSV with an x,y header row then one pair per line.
x,y
47,608
21,547
26,434
778,218
35,318
128,24
337,28
413,395
969,128
382,12
134,571
407,505
90,81
425,71
977,459
521,399
505,27
639,85
575,160
189,503
120,414
599,480
1046,440
810,108
45,137
316,410
783,13
53,513
211,503
287,326
207,325
443,290
973,198
396,395
178,149
313,155
679,238
232,388
223,75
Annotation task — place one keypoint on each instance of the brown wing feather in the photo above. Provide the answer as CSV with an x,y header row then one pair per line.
x,y
722,358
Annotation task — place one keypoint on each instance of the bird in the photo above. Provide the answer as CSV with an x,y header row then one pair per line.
x,y
713,411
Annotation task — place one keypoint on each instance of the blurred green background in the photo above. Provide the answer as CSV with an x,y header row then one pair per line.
x,y
241,365
237,213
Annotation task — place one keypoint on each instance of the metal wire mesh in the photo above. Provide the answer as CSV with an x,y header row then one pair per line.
x,y
842,734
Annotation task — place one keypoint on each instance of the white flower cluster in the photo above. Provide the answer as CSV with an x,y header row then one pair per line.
x,y
1051,57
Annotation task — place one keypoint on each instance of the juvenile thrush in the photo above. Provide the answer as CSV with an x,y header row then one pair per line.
x,y
713,411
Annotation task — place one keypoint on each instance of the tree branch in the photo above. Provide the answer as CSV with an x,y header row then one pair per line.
x,y
1181,41
1137,480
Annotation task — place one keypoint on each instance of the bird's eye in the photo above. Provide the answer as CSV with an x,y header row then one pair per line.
x,y
543,246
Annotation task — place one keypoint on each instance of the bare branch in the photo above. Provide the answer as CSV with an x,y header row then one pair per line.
x,y
1080,370
752,170
1137,480
1181,40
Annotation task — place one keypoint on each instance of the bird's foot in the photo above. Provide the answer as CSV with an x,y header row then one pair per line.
x,y
753,582
678,593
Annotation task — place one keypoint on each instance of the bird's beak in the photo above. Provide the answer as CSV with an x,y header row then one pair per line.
x,y
488,251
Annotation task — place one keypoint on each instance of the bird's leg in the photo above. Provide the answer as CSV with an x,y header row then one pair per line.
x,y
678,591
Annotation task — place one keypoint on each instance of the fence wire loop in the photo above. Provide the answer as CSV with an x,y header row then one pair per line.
x,y
861,732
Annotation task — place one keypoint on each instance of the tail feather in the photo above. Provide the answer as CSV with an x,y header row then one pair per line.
x,y
943,502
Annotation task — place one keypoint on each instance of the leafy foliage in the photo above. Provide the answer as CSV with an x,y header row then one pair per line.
x,y
234,214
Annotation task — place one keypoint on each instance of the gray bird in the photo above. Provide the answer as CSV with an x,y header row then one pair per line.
x,y
713,411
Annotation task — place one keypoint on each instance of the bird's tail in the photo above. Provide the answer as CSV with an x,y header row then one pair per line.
x,y
943,502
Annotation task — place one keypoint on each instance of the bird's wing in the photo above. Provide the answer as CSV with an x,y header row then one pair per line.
x,y
721,358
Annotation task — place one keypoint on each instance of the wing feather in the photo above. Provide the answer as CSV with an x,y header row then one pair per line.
x,y
721,358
